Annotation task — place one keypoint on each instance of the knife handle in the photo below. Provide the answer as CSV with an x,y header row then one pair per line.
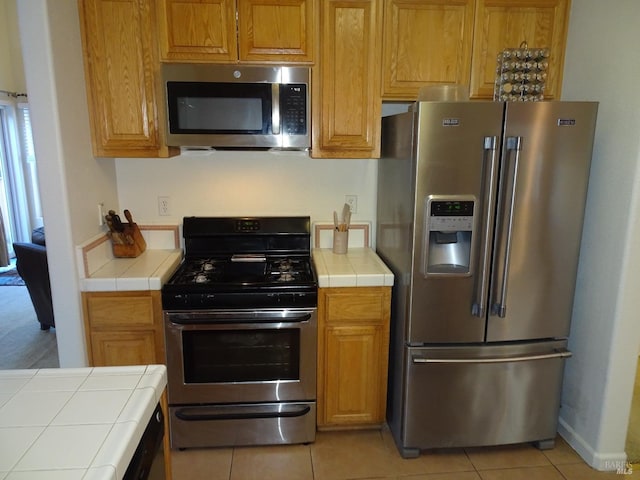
x,y
109,221
116,238
127,215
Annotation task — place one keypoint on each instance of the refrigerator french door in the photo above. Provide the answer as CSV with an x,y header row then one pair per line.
x,y
480,214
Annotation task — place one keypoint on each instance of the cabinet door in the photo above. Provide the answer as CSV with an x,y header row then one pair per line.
x,y
504,24
276,30
123,348
346,93
121,67
353,353
124,328
352,376
116,311
425,42
197,30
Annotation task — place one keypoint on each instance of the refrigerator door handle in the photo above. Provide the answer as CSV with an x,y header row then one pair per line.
x,y
478,308
563,353
514,145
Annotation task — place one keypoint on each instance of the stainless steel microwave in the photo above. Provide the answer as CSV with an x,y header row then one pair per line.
x,y
232,106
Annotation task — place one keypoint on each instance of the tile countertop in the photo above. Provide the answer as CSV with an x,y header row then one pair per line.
x,y
149,271
359,267
75,423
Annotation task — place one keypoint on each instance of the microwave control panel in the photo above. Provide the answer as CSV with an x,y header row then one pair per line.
x,y
293,108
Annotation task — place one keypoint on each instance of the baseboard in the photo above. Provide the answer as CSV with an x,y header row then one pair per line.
x,y
616,462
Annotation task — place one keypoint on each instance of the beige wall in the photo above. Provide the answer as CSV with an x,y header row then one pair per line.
x,y
604,332
11,65
247,183
72,181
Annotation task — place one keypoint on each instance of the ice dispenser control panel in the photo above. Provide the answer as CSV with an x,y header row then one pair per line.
x,y
448,236
451,216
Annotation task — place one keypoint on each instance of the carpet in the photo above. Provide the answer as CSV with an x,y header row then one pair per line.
x,y
22,343
11,278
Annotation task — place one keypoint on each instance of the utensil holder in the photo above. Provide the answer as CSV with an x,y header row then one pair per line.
x,y
340,242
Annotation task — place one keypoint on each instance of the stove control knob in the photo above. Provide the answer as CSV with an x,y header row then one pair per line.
x,y
286,299
181,299
206,298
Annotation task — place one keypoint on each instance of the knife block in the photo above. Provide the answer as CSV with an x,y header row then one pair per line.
x,y
129,243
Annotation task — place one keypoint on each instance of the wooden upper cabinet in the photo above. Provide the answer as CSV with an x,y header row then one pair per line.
x,y
121,66
197,30
282,30
346,93
229,31
504,24
426,42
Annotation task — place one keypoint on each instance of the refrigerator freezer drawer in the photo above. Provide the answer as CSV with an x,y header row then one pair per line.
x,y
478,396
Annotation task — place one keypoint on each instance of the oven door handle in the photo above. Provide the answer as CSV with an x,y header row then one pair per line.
x,y
197,414
194,318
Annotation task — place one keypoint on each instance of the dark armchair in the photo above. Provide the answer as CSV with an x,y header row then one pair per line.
x,y
31,263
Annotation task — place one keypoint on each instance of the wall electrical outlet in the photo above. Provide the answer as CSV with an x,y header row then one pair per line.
x,y
164,206
100,214
352,201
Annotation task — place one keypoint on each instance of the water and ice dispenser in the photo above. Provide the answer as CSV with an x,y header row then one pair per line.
x,y
448,234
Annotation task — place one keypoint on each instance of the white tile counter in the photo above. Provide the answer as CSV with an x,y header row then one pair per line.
x,y
149,271
79,423
359,267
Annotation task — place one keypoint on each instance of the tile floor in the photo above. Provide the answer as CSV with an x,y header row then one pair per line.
x,y
372,455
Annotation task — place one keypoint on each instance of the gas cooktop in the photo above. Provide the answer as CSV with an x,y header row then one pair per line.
x,y
233,262
242,270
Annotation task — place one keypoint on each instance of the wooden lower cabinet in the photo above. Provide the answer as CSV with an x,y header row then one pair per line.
x,y
353,352
124,328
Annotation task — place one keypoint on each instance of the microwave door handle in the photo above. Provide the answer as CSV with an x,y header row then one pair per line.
x,y
275,108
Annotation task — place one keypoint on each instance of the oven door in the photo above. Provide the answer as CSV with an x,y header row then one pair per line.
x,y
241,356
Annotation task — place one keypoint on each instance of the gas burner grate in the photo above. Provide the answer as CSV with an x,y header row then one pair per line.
x,y
200,271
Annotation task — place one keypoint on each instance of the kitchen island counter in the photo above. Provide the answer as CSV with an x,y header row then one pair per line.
x,y
75,423
359,267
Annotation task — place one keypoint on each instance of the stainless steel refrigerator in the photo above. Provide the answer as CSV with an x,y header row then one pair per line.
x,y
480,215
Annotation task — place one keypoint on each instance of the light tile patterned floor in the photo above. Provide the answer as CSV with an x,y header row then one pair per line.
x,y
372,455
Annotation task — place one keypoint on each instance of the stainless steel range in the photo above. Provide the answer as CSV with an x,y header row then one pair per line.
x,y
241,332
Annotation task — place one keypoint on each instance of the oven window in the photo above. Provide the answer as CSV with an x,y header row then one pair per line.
x,y
241,355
